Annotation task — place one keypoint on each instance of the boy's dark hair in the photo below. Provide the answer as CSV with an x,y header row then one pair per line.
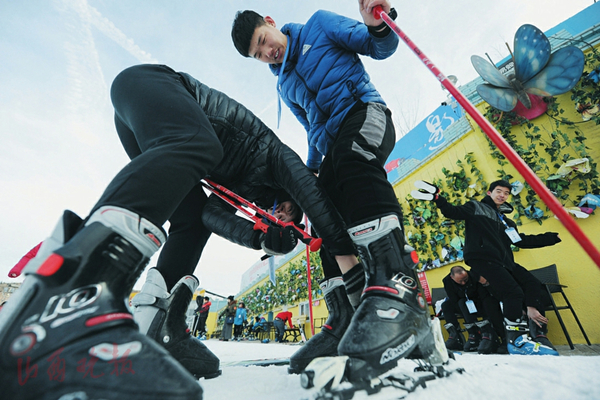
x,y
502,183
299,214
283,196
243,27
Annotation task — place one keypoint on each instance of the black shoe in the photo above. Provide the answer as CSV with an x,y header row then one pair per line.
x,y
161,316
456,340
391,321
489,339
472,343
502,349
325,343
67,333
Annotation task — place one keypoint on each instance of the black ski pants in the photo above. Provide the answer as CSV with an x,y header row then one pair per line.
x,y
352,172
172,145
502,284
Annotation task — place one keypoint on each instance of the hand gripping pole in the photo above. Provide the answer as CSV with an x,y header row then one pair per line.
x,y
257,214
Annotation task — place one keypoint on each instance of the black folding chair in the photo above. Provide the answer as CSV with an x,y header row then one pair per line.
x,y
549,278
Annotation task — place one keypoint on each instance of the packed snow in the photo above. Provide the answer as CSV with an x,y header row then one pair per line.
x,y
487,377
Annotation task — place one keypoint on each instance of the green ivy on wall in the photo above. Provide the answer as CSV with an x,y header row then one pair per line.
x,y
545,151
437,240
291,288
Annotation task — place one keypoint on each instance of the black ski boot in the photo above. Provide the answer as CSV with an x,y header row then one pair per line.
x,y
489,339
519,343
67,332
391,321
539,334
162,316
472,342
325,343
456,340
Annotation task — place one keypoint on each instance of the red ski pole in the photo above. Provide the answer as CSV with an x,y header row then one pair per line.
x,y
308,278
235,200
536,184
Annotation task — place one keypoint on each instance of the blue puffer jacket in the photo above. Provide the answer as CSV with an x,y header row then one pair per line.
x,y
324,76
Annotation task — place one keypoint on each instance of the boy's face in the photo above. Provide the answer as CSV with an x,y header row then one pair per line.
x,y
285,211
268,44
499,195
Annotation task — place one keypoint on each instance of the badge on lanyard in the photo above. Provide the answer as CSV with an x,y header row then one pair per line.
x,y
513,235
471,306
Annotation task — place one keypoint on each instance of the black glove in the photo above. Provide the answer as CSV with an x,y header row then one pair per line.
x,y
427,191
278,241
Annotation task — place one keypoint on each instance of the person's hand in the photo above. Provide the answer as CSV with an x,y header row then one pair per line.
x,y
366,10
534,315
427,191
483,281
278,241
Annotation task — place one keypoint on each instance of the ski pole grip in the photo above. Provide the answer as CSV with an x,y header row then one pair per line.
x,y
314,244
260,226
377,10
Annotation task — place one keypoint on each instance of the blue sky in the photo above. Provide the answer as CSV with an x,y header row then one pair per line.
x,y
59,147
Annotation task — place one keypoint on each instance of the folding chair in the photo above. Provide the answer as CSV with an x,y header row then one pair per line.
x,y
549,278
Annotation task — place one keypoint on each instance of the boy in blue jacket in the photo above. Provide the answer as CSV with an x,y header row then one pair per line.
x,y
350,135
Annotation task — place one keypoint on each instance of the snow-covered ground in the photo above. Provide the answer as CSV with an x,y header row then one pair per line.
x,y
487,377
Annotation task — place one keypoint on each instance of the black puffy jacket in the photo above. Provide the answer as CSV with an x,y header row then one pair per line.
x,y
485,236
259,167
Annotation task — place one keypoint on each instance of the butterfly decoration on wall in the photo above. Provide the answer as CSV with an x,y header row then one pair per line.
x,y
536,71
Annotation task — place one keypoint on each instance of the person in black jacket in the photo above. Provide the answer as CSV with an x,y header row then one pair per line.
x,y
466,296
257,166
489,235
176,131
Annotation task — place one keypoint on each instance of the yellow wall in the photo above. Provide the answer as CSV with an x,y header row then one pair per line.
x,y
575,268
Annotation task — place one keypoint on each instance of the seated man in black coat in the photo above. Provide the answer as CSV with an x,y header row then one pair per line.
x,y
467,297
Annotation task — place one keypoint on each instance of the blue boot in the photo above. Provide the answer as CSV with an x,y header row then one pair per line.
x,y
520,343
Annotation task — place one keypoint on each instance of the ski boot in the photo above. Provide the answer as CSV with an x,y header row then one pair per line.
x,y
519,343
325,343
474,338
391,321
489,339
539,334
456,340
67,332
161,316
329,376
